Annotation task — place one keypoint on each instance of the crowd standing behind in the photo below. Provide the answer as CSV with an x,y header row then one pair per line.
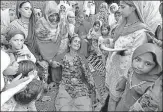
x,y
82,56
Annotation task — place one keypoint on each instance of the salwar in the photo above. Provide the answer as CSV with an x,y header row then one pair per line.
x,y
55,74
64,102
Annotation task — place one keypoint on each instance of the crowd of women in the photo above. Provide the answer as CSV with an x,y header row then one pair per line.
x,y
78,56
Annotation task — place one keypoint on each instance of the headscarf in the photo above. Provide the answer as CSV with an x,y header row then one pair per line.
x,y
111,15
53,30
89,7
103,16
72,14
50,7
64,4
11,33
31,41
143,15
157,51
116,6
5,17
5,61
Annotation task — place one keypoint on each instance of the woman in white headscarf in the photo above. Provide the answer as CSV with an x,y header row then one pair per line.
x,y
63,8
89,7
131,33
7,16
112,9
70,16
103,14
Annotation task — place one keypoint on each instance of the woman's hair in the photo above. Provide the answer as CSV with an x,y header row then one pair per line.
x,y
72,38
96,22
30,93
21,4
154,58
13,32
25,67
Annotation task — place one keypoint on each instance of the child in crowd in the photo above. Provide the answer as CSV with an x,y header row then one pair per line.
x,y
146,64
93,36
18,50
105,40
118,17
95,32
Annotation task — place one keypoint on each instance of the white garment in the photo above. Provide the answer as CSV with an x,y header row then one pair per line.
x,y
25,57
89,7
5,61
149,13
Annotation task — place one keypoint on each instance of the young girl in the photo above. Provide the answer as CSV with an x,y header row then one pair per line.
x,y
75,84
146,64
93,36
95,32
105,40
18,50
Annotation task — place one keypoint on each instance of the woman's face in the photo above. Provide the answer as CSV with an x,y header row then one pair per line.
x,y
17,41
26,10
144,63
71,19
104,31
96,27
53,17
75,44
125,9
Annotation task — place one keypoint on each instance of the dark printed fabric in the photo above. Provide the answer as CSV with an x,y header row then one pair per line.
x,y
47,100
98,72
72,77
151,100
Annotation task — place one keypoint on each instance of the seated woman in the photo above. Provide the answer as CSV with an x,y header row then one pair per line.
x,y
75,84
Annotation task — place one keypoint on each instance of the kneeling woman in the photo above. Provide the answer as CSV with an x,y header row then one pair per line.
x,y
75,84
